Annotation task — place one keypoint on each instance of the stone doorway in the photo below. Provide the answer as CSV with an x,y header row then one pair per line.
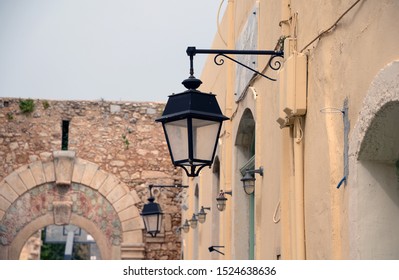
x,y
69,190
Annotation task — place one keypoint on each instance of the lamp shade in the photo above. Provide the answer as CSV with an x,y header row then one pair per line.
x,y
193,222
192,121
152,217
221,201
248,182
201,216
186,226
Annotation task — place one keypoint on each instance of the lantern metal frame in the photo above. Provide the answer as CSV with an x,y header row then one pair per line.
x,y
221,199
202,214
152,209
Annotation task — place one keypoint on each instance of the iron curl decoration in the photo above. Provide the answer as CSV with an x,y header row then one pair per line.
x,y
276,65
218,60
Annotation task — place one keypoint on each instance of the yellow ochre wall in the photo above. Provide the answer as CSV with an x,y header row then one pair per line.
x,y
299,211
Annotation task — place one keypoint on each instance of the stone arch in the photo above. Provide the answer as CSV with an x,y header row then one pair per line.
x,y
69,190
374,172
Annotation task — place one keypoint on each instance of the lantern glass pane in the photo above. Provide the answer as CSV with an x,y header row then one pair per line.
x,y
249,186
205,134
153,222
178,139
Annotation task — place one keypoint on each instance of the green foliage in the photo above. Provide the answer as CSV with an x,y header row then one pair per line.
x,y
52,251
10,116
46,105
27,106
56,251
125,141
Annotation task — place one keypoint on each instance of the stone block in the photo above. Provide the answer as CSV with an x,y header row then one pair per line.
x,y
109,184
48,168
63,166
2,213
135,236
27,178
8,192
62,212
118,192
98,179
133,224
134,251
89,173
167,222
78,170
4,204
38,173
129,213
114,108
124,202
135,196
16,183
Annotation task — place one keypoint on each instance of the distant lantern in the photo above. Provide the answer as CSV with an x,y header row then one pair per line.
x,y
152,217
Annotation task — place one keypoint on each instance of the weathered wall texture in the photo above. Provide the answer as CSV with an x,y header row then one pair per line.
x,y
299,211
122,138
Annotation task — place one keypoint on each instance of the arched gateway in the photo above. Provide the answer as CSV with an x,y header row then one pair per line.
x,y
69,190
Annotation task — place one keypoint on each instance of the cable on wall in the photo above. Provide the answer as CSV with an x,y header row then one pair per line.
x,y
331,27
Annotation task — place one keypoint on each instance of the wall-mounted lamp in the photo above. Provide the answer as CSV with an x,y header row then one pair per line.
x,y
202,214
221,200
248,181
152,212
194,222
192,120
186,226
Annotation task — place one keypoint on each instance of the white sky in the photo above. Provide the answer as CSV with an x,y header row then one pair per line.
x,y
129,50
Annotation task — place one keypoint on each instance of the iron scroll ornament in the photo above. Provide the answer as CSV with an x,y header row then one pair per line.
x,y
273,64
220,54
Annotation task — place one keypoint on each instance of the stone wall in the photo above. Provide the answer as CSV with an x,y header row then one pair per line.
x,y
122,138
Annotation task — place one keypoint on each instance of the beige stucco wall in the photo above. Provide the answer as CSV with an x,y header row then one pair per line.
x,y
341,66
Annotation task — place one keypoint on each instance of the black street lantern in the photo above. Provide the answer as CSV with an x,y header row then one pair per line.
x,y
152,217
192,121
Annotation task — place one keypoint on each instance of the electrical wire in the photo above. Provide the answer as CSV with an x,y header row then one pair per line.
x,y
332,26
218,23
275,220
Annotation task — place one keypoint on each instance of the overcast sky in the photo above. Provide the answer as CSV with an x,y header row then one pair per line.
x,y
129,50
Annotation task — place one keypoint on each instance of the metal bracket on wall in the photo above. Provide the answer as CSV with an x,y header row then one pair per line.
x,y
220,54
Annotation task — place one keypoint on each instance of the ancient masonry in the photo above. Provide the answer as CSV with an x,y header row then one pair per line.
x,y
82,161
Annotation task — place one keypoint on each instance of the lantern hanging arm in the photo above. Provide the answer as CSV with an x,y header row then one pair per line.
x,y
220,54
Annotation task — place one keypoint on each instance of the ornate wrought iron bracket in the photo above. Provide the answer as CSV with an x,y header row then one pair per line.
x,y
220,54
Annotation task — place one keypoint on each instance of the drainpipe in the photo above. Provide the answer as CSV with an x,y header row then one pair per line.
x,y
299,190
228,142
